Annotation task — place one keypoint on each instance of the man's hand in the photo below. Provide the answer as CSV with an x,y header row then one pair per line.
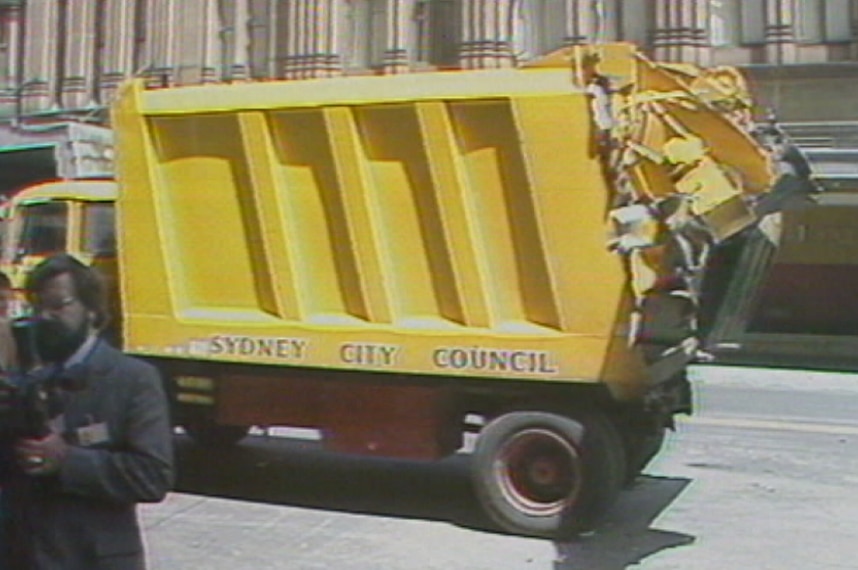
x,y
41,456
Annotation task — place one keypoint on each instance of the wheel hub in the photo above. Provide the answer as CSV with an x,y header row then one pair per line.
x,y
539,472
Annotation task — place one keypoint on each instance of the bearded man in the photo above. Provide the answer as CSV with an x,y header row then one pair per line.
x,y
72,497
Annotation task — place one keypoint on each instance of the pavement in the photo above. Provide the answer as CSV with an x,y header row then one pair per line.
x,y
757,478
791,379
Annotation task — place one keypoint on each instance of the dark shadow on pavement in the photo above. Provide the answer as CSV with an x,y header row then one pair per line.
x,y
626,537
298,473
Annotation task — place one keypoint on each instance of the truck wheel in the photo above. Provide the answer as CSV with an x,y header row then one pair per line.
x,y
546,475
209,434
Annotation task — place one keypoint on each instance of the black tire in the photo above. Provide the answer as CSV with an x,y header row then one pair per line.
x,y
546,475
209,434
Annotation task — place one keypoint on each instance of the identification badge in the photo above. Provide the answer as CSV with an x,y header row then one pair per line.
x,y
93,434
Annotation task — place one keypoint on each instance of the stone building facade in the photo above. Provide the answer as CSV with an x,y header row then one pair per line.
x,y
63,52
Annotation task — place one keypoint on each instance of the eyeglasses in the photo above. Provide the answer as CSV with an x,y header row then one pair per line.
x,y
53,306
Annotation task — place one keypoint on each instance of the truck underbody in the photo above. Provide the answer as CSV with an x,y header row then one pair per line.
x,y
529,457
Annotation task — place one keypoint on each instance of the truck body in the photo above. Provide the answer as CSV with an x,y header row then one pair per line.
x,y
398,260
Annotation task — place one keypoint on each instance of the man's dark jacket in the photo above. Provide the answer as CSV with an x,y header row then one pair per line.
x,y
85,518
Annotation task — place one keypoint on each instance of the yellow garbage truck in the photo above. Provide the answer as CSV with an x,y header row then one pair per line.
x,y
397,261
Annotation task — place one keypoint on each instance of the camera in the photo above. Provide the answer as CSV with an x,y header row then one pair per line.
x,y
31,398
27,403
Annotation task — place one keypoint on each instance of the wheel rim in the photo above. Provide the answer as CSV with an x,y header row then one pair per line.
x,y
539,472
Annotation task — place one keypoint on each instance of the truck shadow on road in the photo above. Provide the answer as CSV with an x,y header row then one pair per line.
x,y
626,536
297,473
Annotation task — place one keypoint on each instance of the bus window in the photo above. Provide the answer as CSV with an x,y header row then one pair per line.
x,y
99,230
44,229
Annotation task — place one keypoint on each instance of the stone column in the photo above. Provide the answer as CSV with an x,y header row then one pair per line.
x,y
117,55
41,42
325,60
680,31
699,35
476,49
238,48
186,43
396,52
579,26
161,23
291,30
501,28
297,34
310,44
195,46
11,21
78,71
261,29
336,60
486,29
305,25
780,32
213,66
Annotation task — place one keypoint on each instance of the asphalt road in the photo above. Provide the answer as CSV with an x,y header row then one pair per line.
x,y
763,476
